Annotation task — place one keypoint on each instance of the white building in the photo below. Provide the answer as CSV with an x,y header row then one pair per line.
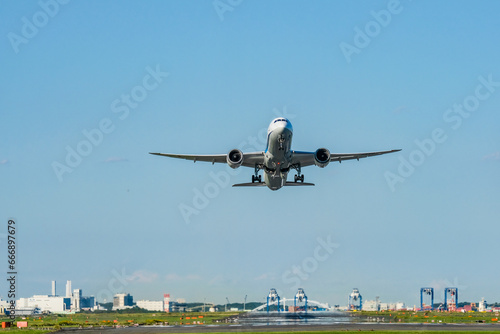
x,y
392,306
75,300
68,289
371,305
45,303
482,305
150,305
400,306
122,301
4,305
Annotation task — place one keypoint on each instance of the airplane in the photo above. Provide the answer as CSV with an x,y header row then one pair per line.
x,y
278,158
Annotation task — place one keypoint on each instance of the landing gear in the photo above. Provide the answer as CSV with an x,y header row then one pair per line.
x,y
257,177
299,176
281,140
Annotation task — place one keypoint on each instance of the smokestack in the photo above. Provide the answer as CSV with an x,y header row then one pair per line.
x,y
53,288
69,293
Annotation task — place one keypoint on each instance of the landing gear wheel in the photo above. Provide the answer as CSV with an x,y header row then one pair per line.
x,y
256,178
299,178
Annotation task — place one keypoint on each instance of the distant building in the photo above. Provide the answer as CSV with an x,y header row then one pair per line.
x,y
68,289
122,301
76,299
482,306
392,306
177,306
4,306
371,305
150,305
45,304
87,303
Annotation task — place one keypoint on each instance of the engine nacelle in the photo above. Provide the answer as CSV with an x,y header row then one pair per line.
x,y
322,157
234,158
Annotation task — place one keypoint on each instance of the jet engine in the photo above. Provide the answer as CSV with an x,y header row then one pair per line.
x,y
322,157
234,158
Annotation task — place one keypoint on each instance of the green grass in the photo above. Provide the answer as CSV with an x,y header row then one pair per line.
x,y
44,323
25,331
98,319
430,317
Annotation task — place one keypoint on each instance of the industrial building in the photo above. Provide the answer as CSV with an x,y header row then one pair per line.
x,y
44,303
150,305
73,301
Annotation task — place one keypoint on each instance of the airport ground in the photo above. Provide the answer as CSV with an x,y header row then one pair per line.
x,y
221,322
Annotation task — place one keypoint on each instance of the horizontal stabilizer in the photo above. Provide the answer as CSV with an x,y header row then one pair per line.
x,y
250,184
262,184
299,184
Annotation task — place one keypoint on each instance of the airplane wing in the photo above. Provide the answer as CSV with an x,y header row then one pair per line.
x,y
262,184
307,158
249,159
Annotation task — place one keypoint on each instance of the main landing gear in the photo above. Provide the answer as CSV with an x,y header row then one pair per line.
x,y
257,177
299,176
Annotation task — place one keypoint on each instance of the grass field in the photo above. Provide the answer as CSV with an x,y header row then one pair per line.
x,y
430,317
35,331
98,319
45,323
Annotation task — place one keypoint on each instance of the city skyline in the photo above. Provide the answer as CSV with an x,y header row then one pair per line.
x,y
90,88
374,301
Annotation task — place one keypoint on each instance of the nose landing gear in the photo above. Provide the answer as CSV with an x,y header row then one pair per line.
x,y
281,140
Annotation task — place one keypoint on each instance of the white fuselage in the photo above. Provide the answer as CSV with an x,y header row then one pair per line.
x,y
277,156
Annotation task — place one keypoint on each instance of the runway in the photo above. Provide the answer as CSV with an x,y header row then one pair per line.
x,y
288,328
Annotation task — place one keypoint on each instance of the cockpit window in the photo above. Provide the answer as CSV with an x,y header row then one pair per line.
x,y
279,120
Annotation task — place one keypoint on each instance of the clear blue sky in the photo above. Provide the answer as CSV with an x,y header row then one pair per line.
x,y
231,70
